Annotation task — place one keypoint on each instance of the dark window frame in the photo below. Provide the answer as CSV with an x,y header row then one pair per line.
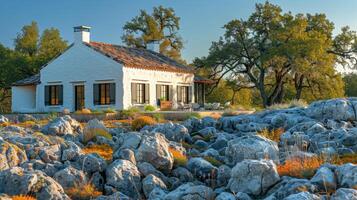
x,y
102,94
140,93
53,95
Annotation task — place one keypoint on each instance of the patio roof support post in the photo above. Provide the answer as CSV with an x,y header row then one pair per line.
x,y
203,94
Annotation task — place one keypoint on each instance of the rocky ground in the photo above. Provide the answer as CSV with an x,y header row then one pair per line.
x,y
226,158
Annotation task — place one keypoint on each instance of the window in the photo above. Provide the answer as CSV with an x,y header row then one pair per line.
x,y
184,94
139,93
53,95
163,92
104,93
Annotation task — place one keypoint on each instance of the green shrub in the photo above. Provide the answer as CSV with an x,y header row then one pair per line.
x,y
130,112
158,117
149,108
142,121
109,110
96,111
193,115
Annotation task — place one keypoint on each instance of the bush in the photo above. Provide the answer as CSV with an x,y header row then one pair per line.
x,y
109,110
130,112
97,111
83,192
91,134
292,104
300,167
213,161
158,117
104,150
23,197
179,158
83,111
149,108
142,121
193,115
273,134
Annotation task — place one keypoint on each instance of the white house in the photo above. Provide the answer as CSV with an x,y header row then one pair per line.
x,y
97,75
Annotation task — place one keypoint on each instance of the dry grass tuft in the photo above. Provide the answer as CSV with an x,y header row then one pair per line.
x,y
273,134
104,150
83,192
83,111
23,197
300,167
346,158
179,158
142,121
89,135
213,161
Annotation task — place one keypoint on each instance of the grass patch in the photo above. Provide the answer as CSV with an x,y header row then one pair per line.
x,y
292,104
23,197
300,167
213,161
129,113
149,108
343,159
142,121
89,135
109,110
83,192
273,134
104,150
193,115
179,158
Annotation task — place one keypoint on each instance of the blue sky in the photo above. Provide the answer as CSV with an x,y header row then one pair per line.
x,y
201,20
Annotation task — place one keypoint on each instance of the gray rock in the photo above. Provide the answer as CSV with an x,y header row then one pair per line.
x,y
92,163
25,117
288,186
223,175
10,155
17,181
157,194
115,196
91,128
251,127
97,181
325,179
251,147
124,177
71,153
130,140
243,196
150,183
147,169
344,194
200,144
303,196
225,196
125,154
347,175
253,176
70,177
336,109
173,132
208,132
154,149
50,154
3,119
183,174
201,168
61,126
220,143
191,191
208,122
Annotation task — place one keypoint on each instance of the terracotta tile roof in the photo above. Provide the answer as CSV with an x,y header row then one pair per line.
x,y
32,80
200,79
139,58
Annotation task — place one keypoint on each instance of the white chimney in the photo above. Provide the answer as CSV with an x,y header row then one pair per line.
x,y
81,34
153,45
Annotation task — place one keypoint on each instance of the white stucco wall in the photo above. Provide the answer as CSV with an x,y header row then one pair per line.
x,y
80,65
154,77
23,99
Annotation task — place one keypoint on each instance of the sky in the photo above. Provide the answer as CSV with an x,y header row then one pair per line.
x,y
201,20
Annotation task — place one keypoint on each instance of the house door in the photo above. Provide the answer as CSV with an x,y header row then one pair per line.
x,y
79,97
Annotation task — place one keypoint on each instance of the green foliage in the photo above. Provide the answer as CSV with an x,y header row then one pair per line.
x,y
281,55
193,115
350,84
149,108
158,117
162,25
109,110
213,161
51,44
130,112
26,41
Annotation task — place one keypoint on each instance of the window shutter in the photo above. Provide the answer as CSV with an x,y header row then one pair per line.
x,y
96,96
158,91
189,95
60,94
179,94
112,93
170,93
133,93
147,94
47,95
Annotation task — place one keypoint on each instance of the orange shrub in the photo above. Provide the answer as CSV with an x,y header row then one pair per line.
x,y
300,167
104,150
83,192
23,197
273,134
343,159
142,121
4,124
179,158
